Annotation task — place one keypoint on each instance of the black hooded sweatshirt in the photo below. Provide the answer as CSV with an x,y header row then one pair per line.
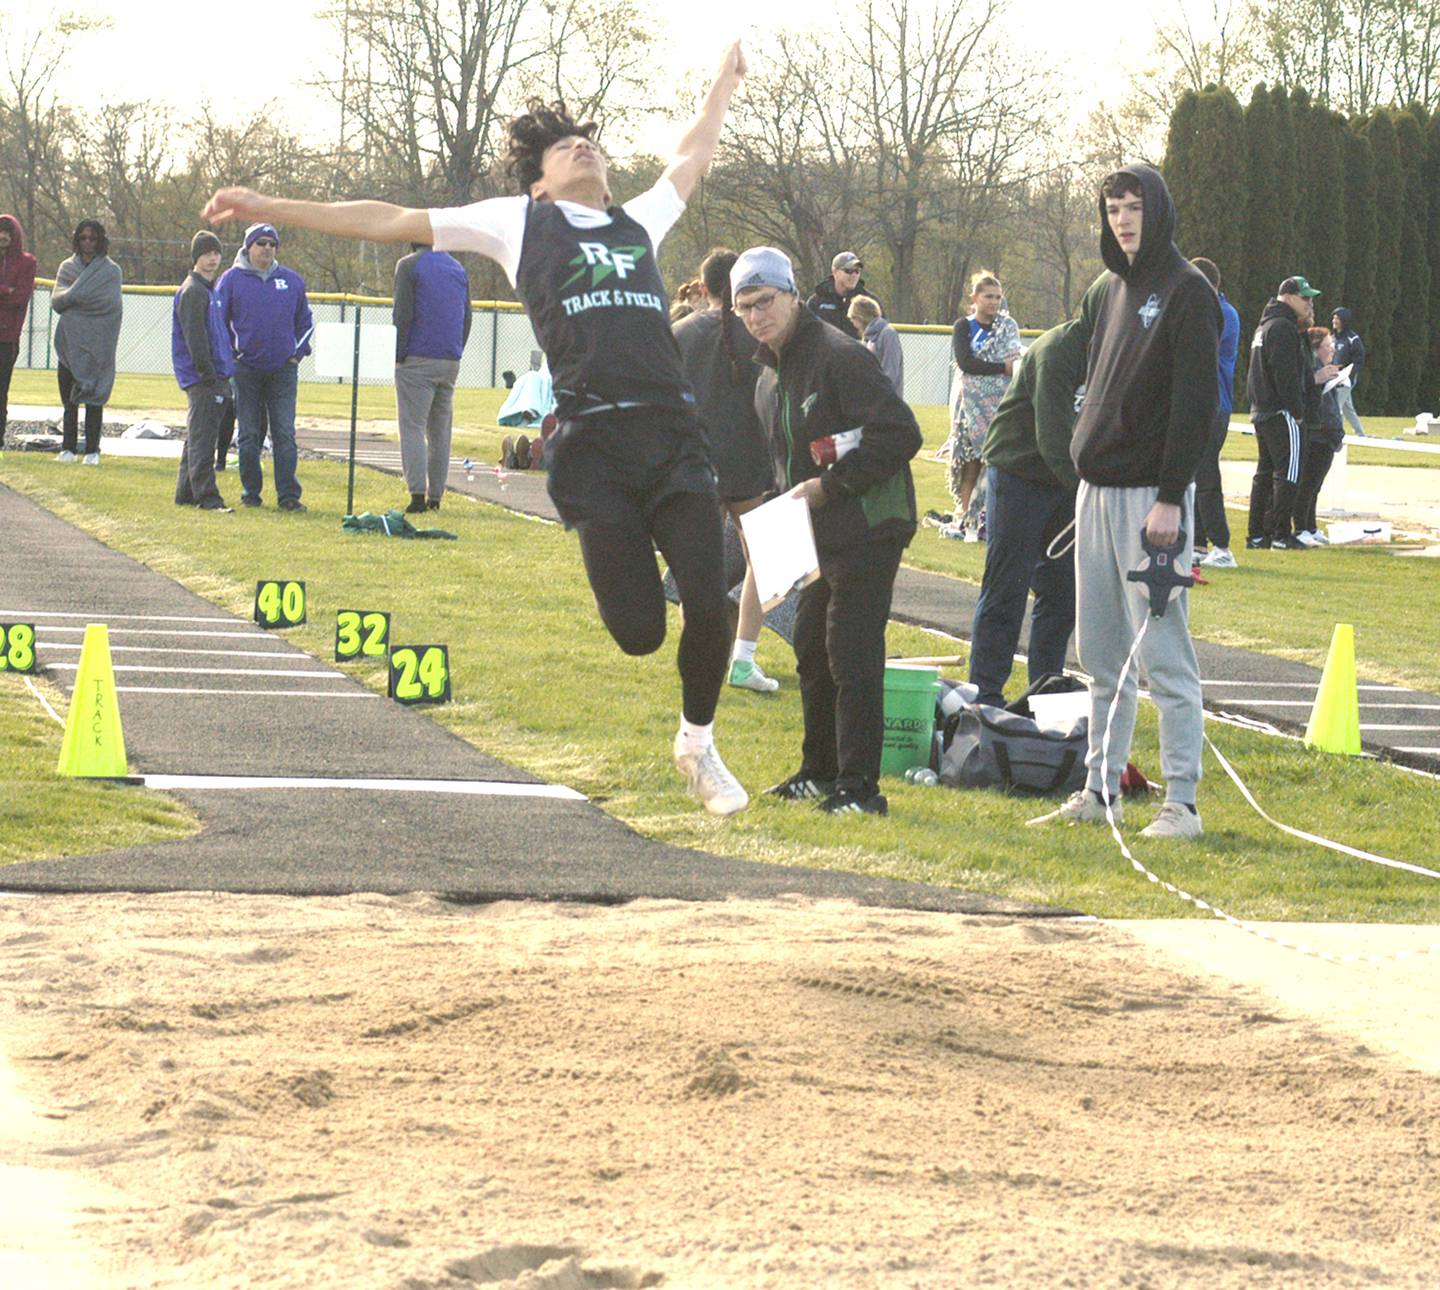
x,y
1151,397
1280,367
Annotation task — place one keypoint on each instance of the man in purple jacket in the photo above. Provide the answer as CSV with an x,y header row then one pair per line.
x,y
265,310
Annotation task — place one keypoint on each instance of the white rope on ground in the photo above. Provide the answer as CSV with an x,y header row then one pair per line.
x,y
1204,905
44,702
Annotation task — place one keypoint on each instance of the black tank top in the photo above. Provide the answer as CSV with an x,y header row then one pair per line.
x,y
595,299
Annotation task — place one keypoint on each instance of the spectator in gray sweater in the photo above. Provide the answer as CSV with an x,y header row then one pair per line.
x,y
880,338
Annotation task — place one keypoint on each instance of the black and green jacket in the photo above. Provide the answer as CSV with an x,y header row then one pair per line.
x,y
1029,435
824,384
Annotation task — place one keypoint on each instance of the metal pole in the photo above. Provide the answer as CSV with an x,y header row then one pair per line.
x,y
494,343
354,412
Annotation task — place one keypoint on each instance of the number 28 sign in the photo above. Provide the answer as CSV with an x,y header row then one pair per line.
x,y
420,674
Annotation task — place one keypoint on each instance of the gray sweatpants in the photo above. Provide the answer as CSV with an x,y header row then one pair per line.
x,y
1109,614
195,484
425,405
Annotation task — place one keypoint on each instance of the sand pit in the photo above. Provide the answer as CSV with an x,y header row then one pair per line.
x,y
399,1093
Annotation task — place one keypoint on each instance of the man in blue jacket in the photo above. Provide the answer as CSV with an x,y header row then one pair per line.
x,y
432,324
200,354
268,316
1212,528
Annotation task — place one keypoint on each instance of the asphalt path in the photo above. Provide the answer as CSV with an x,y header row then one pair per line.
x,y
1400,724
206,694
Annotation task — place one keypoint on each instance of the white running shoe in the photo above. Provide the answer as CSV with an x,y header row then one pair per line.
x,y
1307,538
1218,557
709,779
67,455
91,459
748,676
1082,807
1174,820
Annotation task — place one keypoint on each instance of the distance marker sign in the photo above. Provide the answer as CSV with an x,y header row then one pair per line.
x,y
361,633
279,603
420,674
17,647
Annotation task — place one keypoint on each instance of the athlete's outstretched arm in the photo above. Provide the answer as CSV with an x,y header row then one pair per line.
x,y
362,221
695,150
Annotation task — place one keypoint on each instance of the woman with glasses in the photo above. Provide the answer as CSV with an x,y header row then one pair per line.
x,y
87,334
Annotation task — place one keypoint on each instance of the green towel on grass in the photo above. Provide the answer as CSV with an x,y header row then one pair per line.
x,y
392,524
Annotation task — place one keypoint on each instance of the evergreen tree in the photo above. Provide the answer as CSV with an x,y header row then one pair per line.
x,y
1321,251
1430,374
1389,187
1411,321
1265,208
1206,171
1360,244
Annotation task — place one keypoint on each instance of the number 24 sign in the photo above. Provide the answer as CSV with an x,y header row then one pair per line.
x,y
420,674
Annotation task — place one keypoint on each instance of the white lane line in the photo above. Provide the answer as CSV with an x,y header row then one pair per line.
x,y
269,694
1366,726
1311,685
254,634
171,649
1432,750
99,617
468,787
1366,704
211,671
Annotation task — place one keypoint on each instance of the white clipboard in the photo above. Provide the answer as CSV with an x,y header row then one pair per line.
x,y
781,543
1340,378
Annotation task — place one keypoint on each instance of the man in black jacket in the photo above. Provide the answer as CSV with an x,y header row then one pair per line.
x,y
1150,401
842,439
1280,369
830,301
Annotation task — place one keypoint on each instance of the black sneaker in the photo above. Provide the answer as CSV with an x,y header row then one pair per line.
x,y
295,505
1287,544
844,802
1257,543
417,504
432,503
801,787
249,499
216,504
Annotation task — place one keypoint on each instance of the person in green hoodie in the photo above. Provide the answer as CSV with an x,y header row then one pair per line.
x,y
1150,403
841,439
1030,482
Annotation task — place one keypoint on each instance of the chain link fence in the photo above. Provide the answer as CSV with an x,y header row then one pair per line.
x,y
501,341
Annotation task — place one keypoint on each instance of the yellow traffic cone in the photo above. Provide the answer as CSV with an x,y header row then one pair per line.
x,y
1335,719
94,745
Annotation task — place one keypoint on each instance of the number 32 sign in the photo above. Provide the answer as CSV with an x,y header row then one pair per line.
x,y
420,674
361,633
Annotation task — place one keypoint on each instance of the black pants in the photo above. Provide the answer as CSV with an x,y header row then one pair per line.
x,y
1272,491
840,656
1318,457
195,484
94,414
9,350
1212,528
620,562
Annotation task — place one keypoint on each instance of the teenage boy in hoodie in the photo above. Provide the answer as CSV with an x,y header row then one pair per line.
x,y
266,310
1280,369
1150,402
17,285
200,355
1349,352
628,467
815,384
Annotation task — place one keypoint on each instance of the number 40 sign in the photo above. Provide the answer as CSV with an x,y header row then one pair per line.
x,y
420,674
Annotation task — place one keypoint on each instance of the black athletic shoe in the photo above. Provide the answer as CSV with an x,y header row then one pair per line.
x,y
800,787
844,802
1257,544
295,505
432,503
1287,544
249,499
417,504
216,504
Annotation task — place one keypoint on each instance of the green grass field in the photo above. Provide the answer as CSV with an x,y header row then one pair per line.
x,y
540,685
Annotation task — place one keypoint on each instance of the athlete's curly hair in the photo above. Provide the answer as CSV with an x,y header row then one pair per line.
x,y
541,125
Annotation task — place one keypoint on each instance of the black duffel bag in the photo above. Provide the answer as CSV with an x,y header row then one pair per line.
x,y
985,747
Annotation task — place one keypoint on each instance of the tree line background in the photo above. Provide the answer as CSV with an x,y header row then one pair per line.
x,y
919,133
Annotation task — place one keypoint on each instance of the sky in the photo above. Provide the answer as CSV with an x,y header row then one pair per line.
x,y
157,49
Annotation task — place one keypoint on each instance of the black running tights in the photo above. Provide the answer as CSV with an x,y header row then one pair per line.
x,y
620,562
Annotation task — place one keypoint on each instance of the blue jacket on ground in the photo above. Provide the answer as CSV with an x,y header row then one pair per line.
x,y
268,316
199,345
432,306
1229,348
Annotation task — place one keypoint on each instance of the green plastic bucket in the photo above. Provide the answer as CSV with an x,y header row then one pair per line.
x,y
909,716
